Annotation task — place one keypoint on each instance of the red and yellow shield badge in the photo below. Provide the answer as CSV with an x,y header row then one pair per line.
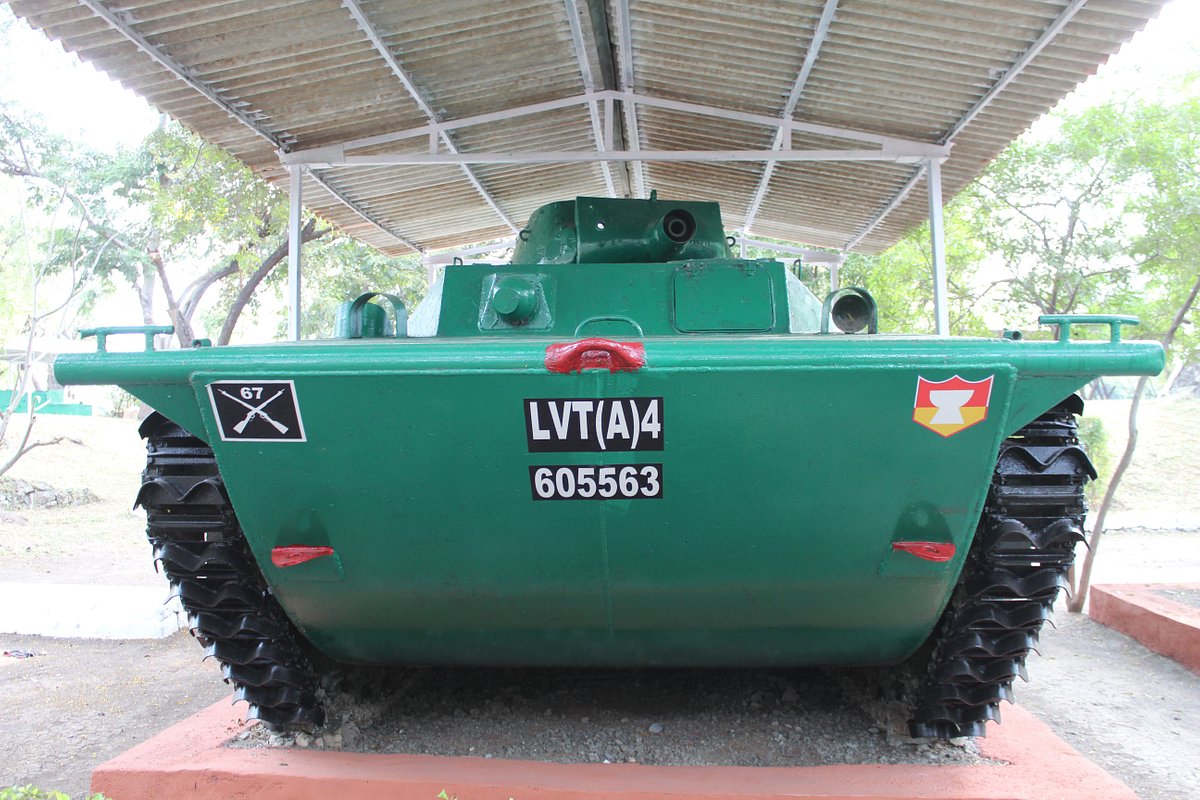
x,y
949,406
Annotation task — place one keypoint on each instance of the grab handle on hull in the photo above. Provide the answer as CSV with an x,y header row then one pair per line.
x,y
102,334
1065,321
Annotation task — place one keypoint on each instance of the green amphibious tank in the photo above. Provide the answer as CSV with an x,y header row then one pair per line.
x,y
625,448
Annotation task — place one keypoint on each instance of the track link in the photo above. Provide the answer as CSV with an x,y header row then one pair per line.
x,y
198,542
1018,562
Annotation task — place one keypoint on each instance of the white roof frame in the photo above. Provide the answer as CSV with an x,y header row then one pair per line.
x,y
781,136
1003,81
589,86
887,148
364,24
443,150
625,83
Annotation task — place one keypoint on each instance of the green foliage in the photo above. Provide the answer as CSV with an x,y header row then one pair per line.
x,y
341,269
1101,216
1095,439
15,277
1105,216
174,216
901,278
1164,145
1054,211
33,793
122,402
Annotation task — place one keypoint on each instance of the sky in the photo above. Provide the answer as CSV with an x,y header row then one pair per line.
x,y
1149,67
76,99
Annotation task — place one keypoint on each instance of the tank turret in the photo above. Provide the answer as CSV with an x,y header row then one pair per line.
x,y
600,230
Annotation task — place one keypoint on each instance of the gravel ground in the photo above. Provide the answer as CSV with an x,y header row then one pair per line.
x,y
667,717
1188,597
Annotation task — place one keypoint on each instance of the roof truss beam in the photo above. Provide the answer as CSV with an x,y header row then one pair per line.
x,y
449,256
808,255
891,146
810,59
118,23
281,141
368,29
337,194
318,160
1010,74
626,83
589,86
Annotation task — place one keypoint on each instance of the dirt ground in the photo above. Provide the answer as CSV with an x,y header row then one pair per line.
x,y
78,702
1134,713
101,542
1162,480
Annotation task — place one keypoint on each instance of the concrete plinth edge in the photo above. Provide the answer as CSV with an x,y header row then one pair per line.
x,y
190,760
1145,612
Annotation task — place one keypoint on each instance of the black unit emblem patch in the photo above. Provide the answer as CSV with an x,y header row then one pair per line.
x,y
257,411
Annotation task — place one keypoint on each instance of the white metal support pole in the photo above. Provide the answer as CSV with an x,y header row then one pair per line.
x,y
937,243
835,279
293,283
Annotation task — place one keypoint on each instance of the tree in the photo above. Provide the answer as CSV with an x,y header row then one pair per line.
x,y
31,277
173,218
1163,146
901,278
192,204
1056,213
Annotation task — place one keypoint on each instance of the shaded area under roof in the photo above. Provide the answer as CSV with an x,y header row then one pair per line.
x,y
265,77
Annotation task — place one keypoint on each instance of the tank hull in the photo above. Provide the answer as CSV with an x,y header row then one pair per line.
x,y
781,480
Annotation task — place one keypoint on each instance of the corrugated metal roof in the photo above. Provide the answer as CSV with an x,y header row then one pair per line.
x,y
307,73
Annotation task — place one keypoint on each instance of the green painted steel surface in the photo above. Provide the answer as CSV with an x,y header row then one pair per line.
x,y
786,475
591,230
616,300
753,525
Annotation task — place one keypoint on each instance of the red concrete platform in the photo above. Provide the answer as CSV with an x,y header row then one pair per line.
x,y
190,760
1143,611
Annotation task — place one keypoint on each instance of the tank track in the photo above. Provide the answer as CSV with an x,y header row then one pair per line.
x,y
1019,560
198,542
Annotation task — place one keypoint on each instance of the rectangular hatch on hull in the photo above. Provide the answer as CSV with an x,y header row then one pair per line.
x,y
726,296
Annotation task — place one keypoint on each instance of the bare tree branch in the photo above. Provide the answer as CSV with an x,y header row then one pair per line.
x,y
307,234
1085,573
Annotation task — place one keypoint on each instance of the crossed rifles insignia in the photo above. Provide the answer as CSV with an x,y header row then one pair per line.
x,y
257,411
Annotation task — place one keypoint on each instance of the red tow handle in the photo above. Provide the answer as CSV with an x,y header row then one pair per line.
x,y
595,354
937,552
293,554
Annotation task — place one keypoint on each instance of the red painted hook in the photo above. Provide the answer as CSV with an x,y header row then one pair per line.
x,y
291,555
937,552
595,354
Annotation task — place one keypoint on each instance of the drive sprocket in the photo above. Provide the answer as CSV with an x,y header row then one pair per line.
x,y
1023,550
200,546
